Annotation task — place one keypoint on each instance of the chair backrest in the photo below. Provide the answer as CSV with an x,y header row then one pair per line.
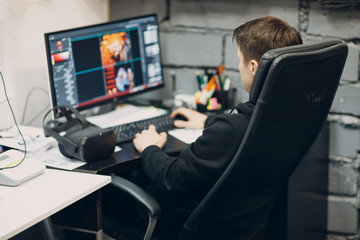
x,y
293,89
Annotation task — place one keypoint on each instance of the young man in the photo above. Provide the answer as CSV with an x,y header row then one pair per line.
x,y
180,183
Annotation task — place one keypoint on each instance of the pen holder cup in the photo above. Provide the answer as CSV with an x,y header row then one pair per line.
x,y
224,99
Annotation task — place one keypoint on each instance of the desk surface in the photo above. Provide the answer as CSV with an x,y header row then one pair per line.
x,y
127,158
31,202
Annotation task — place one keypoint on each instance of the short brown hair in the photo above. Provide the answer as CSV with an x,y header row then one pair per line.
x,y
260,35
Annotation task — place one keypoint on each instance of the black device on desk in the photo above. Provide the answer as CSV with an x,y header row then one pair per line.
x,y
93,65
78,138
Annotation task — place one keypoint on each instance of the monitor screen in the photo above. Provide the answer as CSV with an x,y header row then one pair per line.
x,y
92,65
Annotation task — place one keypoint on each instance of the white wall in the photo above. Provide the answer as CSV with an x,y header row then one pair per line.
x,y
25,67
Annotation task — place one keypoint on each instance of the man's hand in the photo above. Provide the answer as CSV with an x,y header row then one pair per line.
x,y
149,137
194,120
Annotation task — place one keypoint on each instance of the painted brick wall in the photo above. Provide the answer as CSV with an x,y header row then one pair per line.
x,y
196,35
344,138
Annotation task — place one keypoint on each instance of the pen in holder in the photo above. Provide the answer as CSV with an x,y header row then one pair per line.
x,y
215,93
219,101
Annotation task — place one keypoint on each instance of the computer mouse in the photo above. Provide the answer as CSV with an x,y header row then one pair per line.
x,y
180,117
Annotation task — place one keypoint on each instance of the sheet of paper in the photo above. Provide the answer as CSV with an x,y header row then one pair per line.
x,y
34,138
54,158
186,135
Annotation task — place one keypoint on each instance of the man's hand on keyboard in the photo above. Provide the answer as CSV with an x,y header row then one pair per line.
x,y
194,119
149,137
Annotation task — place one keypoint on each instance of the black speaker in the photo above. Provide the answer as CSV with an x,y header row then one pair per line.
x,y
77,137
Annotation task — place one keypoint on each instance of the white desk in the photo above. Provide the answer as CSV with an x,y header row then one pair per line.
x,y
31,202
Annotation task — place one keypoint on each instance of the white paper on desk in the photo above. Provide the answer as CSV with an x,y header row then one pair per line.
x,y
125,114
186,135
34,138
54,158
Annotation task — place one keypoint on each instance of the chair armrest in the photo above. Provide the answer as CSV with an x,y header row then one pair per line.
x,y
138,193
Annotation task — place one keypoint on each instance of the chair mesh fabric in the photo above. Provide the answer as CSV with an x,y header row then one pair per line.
x,y
269,56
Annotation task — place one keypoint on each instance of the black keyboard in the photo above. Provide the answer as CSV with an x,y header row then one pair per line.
x,y
126,132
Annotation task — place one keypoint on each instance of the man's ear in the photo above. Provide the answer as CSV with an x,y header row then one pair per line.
x,y
253,66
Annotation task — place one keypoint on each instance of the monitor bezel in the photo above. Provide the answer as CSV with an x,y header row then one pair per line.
x,y
110,99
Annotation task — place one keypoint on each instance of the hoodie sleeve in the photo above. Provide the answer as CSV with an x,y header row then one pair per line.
x,y
201,163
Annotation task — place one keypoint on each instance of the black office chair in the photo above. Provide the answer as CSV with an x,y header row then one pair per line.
x,y
293,89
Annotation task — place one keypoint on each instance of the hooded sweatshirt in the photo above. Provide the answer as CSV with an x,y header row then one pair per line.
x,y
180,183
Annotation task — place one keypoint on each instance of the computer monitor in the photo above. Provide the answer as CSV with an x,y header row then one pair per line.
x,y
93,65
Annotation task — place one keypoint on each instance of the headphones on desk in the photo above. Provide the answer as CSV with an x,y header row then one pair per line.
x,y
79,138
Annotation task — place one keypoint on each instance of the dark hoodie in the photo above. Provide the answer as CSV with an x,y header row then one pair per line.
x,y
180,183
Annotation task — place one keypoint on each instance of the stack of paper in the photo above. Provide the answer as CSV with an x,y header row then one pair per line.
x,y
33,137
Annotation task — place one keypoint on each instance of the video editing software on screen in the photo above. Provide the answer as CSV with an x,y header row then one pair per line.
x,y
94,64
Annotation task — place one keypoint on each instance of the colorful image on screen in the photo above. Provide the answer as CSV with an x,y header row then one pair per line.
x,y
115,49
59,57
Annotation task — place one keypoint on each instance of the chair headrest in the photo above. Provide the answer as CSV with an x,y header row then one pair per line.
x,y
267,59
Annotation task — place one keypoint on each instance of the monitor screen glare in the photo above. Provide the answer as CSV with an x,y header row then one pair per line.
x,y
92,65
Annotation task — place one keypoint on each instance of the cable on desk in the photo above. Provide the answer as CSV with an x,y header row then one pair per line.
x,y
17,126
26,103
